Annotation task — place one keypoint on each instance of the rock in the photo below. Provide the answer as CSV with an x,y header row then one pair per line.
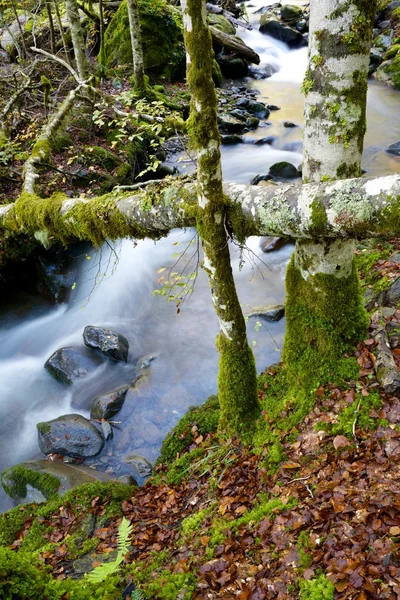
x,y
140,465
273,107
70,434
271,312
145,361
12,33
258,109
271,244
108,405
258,178
239,114
231,140
69,364
106,430
162,39
302,26
110,343
222,23
393,149
384,41
56,274
263,71
284,170
271,26
232,66
269,140
392,295
228,124
291,13
384,24
289,124
31,479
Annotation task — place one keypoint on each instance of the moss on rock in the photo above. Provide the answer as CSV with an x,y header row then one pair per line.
x,y
162,38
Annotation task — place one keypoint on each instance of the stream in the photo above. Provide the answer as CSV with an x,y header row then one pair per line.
x,y
114,289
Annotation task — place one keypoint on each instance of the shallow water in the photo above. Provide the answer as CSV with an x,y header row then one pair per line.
x,y
115,290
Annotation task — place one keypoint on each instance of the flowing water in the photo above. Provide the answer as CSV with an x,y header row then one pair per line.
x,y
184,371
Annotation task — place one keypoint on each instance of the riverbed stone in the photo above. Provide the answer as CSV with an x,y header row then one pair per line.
x,y
38,480
231,140
232,66
110,343
69,364
272,244
291,13
108,405
140,465
270,25
393,149
271,312
283,170
70,434
392,295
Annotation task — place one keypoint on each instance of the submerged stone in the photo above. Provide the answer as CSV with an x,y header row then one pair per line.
x,y
110,343
70,434
393,149
271,26
284,170
140,465
108,405
69,364
271,312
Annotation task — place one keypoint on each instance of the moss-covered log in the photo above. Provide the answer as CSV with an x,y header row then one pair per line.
x,y
356,208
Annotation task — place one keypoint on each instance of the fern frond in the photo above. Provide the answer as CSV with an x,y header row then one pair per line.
x,y
124,531
101,572
137,595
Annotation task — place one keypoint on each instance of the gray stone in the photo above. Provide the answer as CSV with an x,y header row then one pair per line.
x,y
271,26
106,430
289,124
69,364
393,149
140,465
108,405
290,13
70,434
231,140
228,124
283,170
392,295
272,312
271,244
273,107
269,140
110,343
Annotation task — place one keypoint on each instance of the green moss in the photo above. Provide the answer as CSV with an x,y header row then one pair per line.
x,y
169,586
365,261
319,220
325,319
391,53
15,479
393,69
97,155
319,588
162,38
193,522
303,546
358,412
12,522
204,417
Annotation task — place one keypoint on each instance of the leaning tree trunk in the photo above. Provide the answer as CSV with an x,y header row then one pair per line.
x,y
78,40
136,39
324,311
237,380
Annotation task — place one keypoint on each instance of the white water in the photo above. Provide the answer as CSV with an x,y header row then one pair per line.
x,y
184,372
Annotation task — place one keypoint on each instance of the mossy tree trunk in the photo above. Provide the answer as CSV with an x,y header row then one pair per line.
x,y
237,390
137,48
78,39
324,311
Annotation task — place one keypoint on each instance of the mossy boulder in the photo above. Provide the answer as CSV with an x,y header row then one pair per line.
x,y
221,23
162,38
291,13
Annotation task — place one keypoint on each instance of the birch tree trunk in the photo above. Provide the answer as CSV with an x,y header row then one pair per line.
x,y
237,379
136,39
324,311
78,40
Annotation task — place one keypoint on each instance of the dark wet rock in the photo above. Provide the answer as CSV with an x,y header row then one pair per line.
x,y
384,24
231,140
70,434
262,71
69,364
108,405
271,312
56,274
232,67
110,343
392,295
253,122
284,170
38,480
271,244
258,109
270,139
393,149
270,25
239,114
256,180
289,124
140,465
273,107
228,124
302,26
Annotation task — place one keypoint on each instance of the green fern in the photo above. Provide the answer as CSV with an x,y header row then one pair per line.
x,y
101,572
137,595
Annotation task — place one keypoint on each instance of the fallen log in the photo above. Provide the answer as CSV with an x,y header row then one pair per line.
x,y
233,44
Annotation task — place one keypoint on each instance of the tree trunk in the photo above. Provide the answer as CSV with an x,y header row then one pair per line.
x,y
61,28
324,310
51,27
78,40
237,380
137,49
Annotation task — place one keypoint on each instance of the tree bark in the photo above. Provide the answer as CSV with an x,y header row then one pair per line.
x,y
136,39
51,27
61,28
356,208
78,40
237,378
324,311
